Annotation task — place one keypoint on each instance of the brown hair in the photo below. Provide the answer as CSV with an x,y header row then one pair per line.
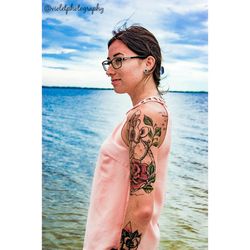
x,y
142,42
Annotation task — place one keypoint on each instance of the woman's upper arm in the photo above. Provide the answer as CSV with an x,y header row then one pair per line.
x,y
146,130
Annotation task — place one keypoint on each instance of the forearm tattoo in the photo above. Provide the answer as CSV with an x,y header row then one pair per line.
x,y
142,136
129,240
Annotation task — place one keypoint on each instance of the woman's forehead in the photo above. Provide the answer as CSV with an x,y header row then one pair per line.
x,y
118,47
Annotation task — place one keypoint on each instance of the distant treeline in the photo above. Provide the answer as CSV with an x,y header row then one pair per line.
x,y
63,87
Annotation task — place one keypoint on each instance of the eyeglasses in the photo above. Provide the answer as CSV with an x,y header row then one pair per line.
x,y
116,62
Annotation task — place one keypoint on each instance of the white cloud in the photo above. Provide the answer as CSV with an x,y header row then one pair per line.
x,y
85,77
85,70
186,76
58,50
184,50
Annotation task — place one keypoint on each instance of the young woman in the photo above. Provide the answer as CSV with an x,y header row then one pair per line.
x,y
129,181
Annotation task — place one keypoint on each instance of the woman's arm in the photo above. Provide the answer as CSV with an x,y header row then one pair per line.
x,y
146,129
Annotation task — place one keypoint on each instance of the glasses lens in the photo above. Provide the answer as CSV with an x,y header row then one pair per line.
x,y
117,62
105,65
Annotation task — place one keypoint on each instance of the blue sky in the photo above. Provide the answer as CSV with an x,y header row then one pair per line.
x,y
75,44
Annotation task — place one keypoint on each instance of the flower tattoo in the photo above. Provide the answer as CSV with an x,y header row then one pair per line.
x,y
142,135
129,239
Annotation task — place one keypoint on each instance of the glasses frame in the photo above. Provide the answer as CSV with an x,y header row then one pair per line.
x,y
108,62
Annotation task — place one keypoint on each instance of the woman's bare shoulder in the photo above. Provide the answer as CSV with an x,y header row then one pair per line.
x,y
154,109
152,115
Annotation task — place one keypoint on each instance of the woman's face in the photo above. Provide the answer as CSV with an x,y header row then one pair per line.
x,y
126,78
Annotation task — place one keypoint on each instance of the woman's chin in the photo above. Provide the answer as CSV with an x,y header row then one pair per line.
x,y
118,90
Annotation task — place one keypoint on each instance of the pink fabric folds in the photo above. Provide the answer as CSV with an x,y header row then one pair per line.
x,y
110,192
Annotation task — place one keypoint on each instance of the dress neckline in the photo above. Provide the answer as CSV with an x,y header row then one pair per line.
x,y
149,98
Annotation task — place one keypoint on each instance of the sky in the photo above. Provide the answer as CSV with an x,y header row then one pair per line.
x,y
75,35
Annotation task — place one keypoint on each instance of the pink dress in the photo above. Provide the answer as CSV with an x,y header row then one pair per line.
x,y
111,188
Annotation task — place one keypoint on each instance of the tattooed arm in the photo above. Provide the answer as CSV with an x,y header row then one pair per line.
x,y
146,129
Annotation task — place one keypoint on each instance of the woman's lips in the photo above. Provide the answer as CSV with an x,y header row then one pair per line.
x,y
115,81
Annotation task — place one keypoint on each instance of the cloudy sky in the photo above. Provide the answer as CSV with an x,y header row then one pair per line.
x,y
75,43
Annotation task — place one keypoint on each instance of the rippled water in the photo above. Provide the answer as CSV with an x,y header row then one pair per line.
x,y
75,123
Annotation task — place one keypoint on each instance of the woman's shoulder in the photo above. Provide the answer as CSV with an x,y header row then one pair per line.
x,y
148,119
151,108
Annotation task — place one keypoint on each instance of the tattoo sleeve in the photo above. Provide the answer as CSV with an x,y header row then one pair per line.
x,y
143,134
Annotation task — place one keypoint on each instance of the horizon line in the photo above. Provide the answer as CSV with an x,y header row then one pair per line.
x,y
95,88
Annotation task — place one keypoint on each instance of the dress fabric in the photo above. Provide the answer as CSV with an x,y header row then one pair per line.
x,y
111,188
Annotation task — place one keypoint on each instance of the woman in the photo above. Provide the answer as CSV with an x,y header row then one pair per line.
x,y
128,187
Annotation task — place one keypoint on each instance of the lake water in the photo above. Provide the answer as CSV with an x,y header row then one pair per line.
x,y
76,122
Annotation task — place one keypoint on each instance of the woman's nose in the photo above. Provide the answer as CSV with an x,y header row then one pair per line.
x,y
110,71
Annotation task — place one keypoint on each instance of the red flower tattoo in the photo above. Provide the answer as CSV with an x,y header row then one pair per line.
x,y
142,175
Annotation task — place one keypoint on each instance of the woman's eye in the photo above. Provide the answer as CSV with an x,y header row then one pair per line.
x,y
118,59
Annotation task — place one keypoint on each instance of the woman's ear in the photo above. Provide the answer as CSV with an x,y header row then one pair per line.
x,y
150,63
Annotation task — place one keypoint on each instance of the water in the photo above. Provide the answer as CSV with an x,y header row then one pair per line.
x,y
75,123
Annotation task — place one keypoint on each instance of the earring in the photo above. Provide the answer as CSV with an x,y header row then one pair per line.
x,y
145,71
162,70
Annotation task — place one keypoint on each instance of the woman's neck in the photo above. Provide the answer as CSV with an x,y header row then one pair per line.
x,y
144,91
